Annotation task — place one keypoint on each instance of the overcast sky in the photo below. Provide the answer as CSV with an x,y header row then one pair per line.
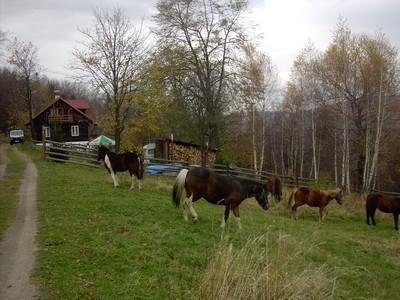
x,y
286,25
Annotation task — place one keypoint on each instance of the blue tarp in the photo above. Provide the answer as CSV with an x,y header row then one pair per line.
x,y
159,169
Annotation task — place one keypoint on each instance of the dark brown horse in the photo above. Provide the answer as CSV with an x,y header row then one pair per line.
x,y
217,189
321,199
128,161
384,203
274,186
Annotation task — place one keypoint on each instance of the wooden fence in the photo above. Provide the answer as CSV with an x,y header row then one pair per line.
x,y
387,193
69,153
171,167
87,156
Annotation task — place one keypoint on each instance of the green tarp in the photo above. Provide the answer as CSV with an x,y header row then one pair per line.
x,y
102,140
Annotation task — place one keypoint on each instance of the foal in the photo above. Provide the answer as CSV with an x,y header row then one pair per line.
x,y
130,161
384,203
321,199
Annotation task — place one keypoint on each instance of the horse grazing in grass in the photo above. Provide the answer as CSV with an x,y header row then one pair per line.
x,y
274,186
129,161
321,199
386,204
217,189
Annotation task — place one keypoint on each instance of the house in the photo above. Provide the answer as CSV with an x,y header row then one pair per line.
x,y
70,115
170,149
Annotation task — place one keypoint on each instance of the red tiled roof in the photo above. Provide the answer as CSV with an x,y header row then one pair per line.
x,y
61,99
78,103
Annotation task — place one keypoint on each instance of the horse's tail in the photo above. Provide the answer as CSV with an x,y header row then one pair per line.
x,y
141,166
179,186
278,188
291,200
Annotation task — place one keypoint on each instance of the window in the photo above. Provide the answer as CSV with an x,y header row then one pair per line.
x,y
75,130
46,131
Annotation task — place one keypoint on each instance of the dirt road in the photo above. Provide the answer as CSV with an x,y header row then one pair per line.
x,y
3,160
18,245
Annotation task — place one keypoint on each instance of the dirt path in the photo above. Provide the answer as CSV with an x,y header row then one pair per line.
x,y
3,159
18,245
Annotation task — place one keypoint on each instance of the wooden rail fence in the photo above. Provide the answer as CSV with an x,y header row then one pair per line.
x,y
87,156
69,153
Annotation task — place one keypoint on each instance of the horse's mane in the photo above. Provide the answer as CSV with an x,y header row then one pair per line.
x,y
104,148
332,192
247,183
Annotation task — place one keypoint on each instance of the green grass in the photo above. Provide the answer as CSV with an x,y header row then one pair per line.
x,y
98,242
9,186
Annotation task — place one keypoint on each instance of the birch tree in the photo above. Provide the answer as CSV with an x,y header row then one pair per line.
x,y
257,85
383,67
350,70
304,94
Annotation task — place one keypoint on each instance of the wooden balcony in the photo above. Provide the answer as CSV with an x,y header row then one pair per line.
x,y
60,119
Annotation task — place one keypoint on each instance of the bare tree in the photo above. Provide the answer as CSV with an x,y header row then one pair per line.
x,y
205,35
359,73
112,57
3,39
257,85
383,67
24,57
304,97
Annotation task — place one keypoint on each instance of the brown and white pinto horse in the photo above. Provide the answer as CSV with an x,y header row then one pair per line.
x,y
384,203
217,189
128,161
321,199
274,186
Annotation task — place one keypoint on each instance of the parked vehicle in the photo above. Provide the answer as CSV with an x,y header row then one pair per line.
x,y
16,136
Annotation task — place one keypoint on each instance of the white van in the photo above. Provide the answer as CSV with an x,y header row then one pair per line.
x,y
16,136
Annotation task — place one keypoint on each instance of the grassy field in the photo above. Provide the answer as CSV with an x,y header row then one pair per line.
x,y
9,186
98,242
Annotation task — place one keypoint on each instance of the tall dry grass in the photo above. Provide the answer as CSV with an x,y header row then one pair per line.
x,y
267,268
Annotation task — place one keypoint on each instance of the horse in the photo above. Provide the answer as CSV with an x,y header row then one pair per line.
x,y
275,187
229,191
314,198
130,161
386,204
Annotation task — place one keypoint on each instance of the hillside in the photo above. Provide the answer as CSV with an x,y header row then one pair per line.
x,y
98,242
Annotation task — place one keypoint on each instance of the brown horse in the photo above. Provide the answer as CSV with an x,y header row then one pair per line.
x,y
384,203
274,186
217,189
129,161
321,199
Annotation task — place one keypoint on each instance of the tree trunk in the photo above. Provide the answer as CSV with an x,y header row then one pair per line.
x,y
314,143
253,136
335,156
367,149
260,169
379,129
30,110
282,150
302,143
343,172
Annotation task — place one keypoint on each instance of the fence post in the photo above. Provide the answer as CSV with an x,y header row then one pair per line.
x,y
44,144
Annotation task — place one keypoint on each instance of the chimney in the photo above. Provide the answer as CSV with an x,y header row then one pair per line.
x,y
57,94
